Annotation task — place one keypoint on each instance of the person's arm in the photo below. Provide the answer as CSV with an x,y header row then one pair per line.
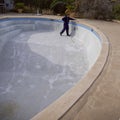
x,y
71,18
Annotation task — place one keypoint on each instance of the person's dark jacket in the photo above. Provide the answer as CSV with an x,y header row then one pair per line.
x,y
66,20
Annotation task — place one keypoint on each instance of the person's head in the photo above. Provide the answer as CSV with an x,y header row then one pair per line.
x,y
66,15
67,12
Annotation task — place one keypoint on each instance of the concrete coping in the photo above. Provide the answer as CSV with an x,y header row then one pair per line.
x,y
60,108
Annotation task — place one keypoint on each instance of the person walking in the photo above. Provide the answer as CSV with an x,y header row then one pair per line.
x,y
66,20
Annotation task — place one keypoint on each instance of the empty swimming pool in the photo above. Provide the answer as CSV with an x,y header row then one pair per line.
x,y
37,65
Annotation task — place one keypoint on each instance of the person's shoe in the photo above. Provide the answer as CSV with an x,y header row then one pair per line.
x,y
60,34
68,35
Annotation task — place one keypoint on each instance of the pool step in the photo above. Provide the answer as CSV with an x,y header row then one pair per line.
x,y
24,27
6,24
8,36
4,30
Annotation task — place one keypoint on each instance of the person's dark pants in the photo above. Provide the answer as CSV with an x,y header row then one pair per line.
x,y
65,28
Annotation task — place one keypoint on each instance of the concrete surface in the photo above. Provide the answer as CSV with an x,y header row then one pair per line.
x,y
102,100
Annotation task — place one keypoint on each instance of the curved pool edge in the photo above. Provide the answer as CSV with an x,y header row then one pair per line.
x,y
71,102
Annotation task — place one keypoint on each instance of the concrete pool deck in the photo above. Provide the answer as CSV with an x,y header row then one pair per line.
x,y
102,100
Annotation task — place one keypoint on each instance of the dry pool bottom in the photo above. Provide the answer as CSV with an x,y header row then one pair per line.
x,y
37,65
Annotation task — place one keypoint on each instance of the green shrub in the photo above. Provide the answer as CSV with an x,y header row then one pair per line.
x,y
19,5
27,9
116,11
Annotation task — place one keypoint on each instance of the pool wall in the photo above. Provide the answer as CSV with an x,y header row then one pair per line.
x,y
97,46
